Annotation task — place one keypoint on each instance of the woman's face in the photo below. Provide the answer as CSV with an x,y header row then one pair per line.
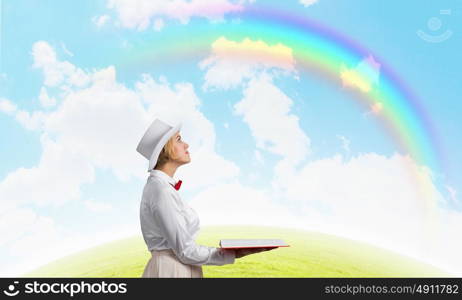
x,y
181,149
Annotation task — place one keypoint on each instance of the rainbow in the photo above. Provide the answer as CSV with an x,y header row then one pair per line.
x,y
312,47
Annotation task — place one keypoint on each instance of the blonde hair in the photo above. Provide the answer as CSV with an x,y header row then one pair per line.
x,y
167,153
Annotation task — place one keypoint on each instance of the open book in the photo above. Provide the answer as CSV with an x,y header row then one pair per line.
x,y
251,243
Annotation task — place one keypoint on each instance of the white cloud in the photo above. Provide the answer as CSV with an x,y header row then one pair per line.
x,y
31,121
49,240
233,203
6,106
19,219
54,181
97,206
367,182
41,231
307,3
57,72
88,122
232,63
138,14
99,21
159,24
126,45
46,100
252,177
180,102
452,194
259,157
103,123
376,199
272,125
66,50
345,143
207,168
446,251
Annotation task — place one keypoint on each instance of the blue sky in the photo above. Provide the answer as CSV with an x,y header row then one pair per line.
x,y
335,164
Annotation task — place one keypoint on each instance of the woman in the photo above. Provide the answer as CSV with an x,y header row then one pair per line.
x,y
169,225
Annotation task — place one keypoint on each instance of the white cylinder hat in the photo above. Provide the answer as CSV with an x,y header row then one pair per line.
x,y
154,139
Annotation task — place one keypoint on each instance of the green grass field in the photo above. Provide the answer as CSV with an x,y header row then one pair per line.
x,y
310,254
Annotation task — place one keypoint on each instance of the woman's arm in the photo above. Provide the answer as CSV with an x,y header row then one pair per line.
x,y
173,228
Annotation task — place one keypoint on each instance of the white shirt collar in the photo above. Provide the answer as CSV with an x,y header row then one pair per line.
x,y
163,175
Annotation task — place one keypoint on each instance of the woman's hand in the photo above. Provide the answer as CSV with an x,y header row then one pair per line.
x,y
243,252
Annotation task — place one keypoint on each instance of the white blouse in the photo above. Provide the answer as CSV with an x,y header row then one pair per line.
x,y
167,222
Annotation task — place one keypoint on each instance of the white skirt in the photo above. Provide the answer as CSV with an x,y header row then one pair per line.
x,y
164,263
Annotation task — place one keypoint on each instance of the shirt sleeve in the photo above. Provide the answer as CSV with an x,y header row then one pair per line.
x,y
173,228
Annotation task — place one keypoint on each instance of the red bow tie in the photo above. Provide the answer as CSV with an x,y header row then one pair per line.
x,y
177,185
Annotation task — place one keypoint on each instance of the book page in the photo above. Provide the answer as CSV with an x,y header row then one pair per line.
x,y
249,243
